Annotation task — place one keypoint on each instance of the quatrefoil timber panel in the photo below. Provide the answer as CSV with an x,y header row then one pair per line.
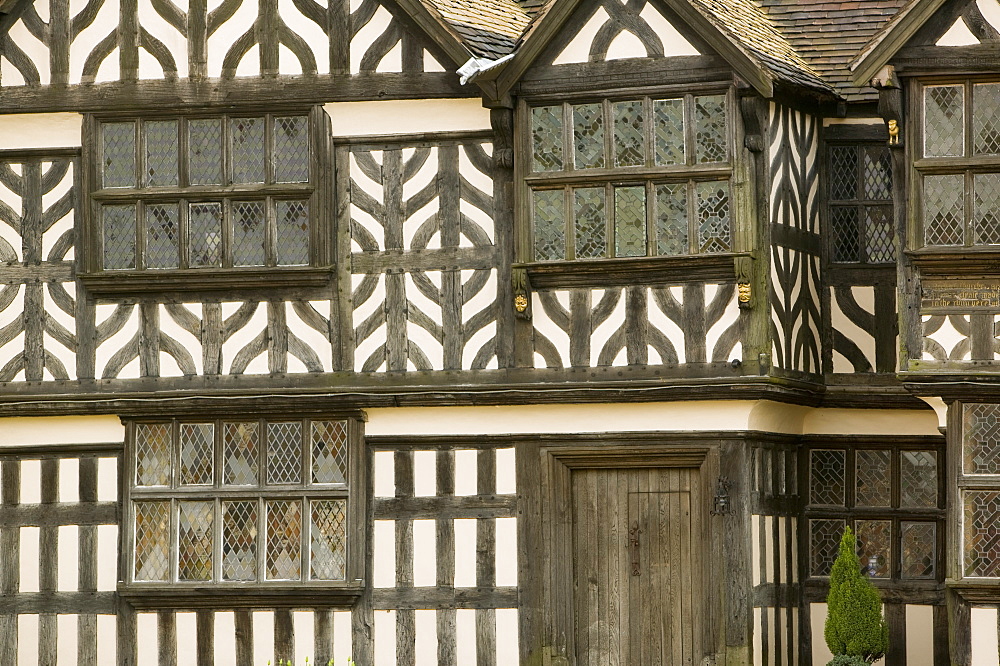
x,y
613,29
110,40
422,256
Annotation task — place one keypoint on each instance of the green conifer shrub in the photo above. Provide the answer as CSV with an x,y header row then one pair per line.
x,y
854,623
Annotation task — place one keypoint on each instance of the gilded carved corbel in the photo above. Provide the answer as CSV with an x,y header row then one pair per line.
x,y
521,290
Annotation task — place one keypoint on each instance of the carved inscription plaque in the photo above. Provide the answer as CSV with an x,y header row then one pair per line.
x,y
963,295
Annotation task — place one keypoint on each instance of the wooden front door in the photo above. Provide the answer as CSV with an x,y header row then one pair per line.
x,y
637,576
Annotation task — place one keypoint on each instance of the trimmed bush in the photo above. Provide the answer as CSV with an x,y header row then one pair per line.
x,y
854,623
847,660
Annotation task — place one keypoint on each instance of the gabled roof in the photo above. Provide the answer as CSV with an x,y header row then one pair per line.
x,y
829,33
489,28
891,38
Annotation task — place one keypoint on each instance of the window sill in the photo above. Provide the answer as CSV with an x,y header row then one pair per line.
x,y
117,283
976,590
156,596
626,271
957,261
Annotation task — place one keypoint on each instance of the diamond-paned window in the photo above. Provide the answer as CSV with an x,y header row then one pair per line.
x,y
630,178
860,220
958,183
981,530
238,502
888,496
206,192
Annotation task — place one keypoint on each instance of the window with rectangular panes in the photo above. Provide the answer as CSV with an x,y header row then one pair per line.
x,y
958,164
979,484
889,496
637,177
202,192
860,219
239,501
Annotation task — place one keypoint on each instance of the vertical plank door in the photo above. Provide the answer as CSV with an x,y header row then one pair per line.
x,y
636,567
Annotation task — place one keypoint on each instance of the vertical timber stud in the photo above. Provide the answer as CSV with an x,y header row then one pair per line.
x,y
363,615
10,549
513,333
405,618
737,604
753,285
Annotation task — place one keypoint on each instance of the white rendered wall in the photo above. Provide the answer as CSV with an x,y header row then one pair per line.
x,y
407,116
40,130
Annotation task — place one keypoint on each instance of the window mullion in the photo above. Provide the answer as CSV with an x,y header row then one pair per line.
x,y
569,224
650,218
692,210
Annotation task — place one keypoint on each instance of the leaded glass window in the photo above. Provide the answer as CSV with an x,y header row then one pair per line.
x,y
958,180
889,497
199,193
979,486
860,220
614,178
239,501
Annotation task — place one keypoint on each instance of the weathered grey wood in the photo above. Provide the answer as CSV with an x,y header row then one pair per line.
x,y
205,637
445,258
98,513
86,640
445,563
405,619
166,637
941,642
9,563
959,630
277,338
636,324
895,619
323,636
47,637
284,636
125,634
363,615
149,347
413,508
244,638
486,553
415,598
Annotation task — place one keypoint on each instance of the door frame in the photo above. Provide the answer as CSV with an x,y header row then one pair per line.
x,y
546,530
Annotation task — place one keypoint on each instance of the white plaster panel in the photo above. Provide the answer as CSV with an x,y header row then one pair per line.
x,y
755,563
465,552
176,43
544,326
31,481
342,636
224,645
107,479
147,638
465,636
578,50
393,60
865,298
919,635
37,51
626,45
820,652
263,636
313,339
169,326
424,553
729,317
991,11
424,473
311,33
68,558
483,299
870,422
366,35
304,628
28,559
107,639
958,35
23,430
384,574
674,43
9,317
407,116
984,637
385,466
506,551
425,630
368,346
50,344
187,627
66,644
506,472
111,346
81,47
222,39
466,472
507,628
107,558
421,337
385,638
431,64
243,337
27,640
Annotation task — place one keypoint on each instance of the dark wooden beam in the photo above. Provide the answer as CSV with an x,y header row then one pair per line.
x,y
178,95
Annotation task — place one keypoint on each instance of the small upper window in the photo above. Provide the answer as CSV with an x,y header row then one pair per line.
x,y
959,165
231,191
860,194
630,178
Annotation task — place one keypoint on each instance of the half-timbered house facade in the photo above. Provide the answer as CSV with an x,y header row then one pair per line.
x,y
496,332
